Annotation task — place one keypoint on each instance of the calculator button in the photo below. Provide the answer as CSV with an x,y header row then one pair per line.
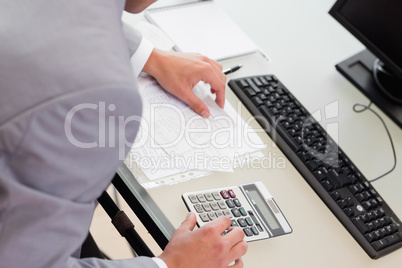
x,y
222,205
214,206
216,195
249,221
193,199
207,207
204,217
219,214
259,227
225,194
227,213
248,232
212,215
232,193
198,208
230,203
234,223
201,198
237,202
209,197
242,222
236,212
254,230
243,211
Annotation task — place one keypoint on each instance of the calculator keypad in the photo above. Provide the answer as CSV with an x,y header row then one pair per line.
x,y
230,203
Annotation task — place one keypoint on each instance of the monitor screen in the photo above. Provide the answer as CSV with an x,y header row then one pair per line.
x,y
378,25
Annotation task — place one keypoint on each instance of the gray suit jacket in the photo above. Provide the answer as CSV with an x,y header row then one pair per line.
x,y
69,110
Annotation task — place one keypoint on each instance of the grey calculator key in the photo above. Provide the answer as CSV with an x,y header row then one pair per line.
x,y
193,199
248,232
217,196
209,197
236,212
204,217
214,206
230,203
243,211
242,222
234,223
198,208
212,215
227,213
237,202
207,207
249,221
201,198
254,230
222,205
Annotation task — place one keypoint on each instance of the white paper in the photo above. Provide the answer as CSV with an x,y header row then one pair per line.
x,y
174,139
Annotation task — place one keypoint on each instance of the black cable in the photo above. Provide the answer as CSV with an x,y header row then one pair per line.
x,y
368,107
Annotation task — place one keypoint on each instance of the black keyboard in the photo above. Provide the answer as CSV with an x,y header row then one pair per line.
x,y
327,169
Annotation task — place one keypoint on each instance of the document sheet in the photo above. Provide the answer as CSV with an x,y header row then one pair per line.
x,y
174,140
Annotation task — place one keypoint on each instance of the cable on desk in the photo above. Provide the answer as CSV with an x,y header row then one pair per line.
x,y
368,107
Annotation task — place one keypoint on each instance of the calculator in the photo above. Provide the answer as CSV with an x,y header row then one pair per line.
x,y
249,206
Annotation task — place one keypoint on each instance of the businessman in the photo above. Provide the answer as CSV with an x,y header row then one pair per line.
x,y
65,68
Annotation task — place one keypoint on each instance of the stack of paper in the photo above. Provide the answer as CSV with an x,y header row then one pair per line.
x,y
173,139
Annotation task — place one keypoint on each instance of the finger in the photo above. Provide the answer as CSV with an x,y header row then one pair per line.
x,y
220,98
237,251
238,264
220,224
216,79
189,223
235,235
196,104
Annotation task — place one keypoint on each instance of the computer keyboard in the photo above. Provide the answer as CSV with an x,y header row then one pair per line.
x,y
322,163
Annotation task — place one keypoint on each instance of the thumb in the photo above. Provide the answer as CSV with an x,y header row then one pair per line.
x,y
189,223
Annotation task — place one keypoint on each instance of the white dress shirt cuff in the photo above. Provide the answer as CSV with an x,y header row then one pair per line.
x,y
141,56
159,262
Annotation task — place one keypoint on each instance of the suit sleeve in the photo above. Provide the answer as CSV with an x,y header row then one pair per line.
x,y
55,163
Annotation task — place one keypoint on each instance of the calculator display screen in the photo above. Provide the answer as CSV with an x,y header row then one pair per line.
x,y
263,208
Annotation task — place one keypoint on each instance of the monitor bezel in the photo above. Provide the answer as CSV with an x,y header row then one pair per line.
x,y
389,63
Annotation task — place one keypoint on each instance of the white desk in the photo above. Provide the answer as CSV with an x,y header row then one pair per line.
x,y
304,43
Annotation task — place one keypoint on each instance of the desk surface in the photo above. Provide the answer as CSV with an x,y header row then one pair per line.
x,y
304,44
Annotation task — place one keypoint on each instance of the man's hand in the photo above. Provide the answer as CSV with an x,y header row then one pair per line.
x,y
206,246
178,73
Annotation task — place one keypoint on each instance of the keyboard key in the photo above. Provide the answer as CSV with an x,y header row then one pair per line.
x,y
380,244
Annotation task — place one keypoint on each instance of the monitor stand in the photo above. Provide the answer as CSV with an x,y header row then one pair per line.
x,y
358,69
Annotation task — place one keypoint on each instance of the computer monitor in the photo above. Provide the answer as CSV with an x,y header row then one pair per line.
x,y
377,71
